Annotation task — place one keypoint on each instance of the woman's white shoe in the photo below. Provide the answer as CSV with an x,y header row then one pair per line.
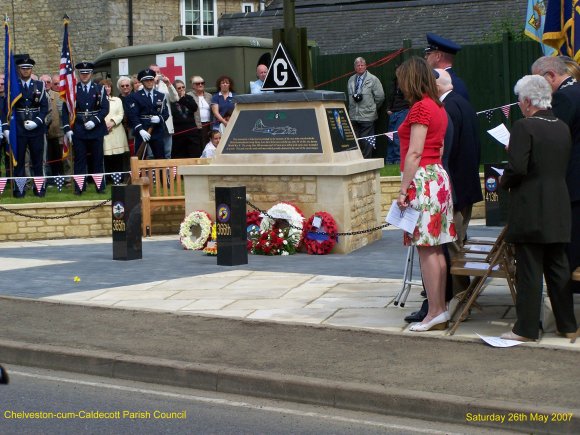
x,y
439,322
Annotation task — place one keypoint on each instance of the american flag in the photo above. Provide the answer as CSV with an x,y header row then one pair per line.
x,y
12,92
68,83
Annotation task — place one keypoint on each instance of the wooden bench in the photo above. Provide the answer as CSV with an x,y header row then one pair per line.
x,y
160,184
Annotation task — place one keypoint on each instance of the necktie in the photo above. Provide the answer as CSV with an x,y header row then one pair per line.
x,y
151,97
25,86
86,89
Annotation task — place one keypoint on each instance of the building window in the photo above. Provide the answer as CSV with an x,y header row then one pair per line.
x,y
247,7
198,18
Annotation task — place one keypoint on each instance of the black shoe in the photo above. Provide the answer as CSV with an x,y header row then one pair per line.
x,y
78,192
418,316
3,376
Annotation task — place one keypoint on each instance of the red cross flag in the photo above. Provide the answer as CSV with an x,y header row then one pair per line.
x,y
172,66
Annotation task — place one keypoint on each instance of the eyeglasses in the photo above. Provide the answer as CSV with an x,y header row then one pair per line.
x,y
199,83
180,87
125,86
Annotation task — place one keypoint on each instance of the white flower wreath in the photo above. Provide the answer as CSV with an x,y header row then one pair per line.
x,y
288,213
196,218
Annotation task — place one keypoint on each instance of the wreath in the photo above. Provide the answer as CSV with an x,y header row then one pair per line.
x,y
284,216
197,218
320,240
273,242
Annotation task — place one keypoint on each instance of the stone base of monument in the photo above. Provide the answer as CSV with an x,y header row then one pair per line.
x,y
295,147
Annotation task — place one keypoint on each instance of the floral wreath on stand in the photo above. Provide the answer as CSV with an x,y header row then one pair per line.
x,y
317,243
281,231
253,221
197,218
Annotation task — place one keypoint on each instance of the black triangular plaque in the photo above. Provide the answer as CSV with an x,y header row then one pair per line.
x,y
282,75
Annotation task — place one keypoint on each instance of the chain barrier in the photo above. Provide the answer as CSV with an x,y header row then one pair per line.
x,y
77,213
351,233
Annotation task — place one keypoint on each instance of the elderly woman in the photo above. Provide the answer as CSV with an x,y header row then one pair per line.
x,y
203,100
115,146
125,88
425,185
539,221
186,140
223,100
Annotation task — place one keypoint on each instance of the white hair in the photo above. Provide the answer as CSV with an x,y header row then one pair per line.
x,y
121,80
536,89
360,59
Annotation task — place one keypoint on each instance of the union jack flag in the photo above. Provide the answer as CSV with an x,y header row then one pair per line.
x,y
68,83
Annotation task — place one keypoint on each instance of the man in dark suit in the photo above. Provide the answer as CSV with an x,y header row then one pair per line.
x,y
566,106
464,161
31,111
440,53
148,112
89,128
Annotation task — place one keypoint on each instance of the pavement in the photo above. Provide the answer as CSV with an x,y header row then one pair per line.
x,y
314,329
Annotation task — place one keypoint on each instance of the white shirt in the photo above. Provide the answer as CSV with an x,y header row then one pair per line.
x,y
208,151
204,110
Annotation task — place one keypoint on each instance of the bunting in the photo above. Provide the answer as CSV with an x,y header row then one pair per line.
x,y
116,178
80,181
506,111
20,184
2,185
38,182
59,181
390,135
98,179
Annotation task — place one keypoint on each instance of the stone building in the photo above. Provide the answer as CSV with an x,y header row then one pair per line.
x,y
96,27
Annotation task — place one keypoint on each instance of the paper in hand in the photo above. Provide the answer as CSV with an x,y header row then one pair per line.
x,y
405,220
501,134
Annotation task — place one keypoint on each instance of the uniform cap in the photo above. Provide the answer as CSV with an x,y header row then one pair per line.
x,y
146,74
85,67
437,43
25,62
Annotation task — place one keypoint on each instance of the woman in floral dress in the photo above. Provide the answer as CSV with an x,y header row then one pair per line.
x,y
425,185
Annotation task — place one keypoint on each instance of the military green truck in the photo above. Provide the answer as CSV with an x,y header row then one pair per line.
x,y
184,57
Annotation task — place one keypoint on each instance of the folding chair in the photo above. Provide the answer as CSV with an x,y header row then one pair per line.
x,y
401,298
575,277
497,263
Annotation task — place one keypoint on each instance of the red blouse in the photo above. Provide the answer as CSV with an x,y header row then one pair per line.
x,y
428,113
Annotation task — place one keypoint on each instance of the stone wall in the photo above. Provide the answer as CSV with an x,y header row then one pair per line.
x,y
95,27
166,220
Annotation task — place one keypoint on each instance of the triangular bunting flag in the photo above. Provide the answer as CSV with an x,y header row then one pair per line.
x,y
174,170
80,180
116,178
38,182
59,181
390,135
489,115
98,179
506,111
2,185
21,184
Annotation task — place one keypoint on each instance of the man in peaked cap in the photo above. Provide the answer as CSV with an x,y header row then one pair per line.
x,y
440,53
31,111
148,113
89,128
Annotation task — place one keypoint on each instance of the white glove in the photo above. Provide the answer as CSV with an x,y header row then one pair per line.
x,y
1,135
7,136
146,136
30,125
155,119
89,125
69,135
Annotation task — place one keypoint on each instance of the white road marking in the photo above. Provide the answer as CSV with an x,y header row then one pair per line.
x,y
232,403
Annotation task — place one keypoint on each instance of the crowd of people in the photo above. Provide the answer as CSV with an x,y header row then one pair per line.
x,y
440,156
149,117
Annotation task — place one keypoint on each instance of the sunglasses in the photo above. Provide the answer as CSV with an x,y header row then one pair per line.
x,y
125,86
199,83
180,87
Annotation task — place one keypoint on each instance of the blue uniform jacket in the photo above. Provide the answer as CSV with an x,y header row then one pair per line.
x,y
91,106
33,106
141,109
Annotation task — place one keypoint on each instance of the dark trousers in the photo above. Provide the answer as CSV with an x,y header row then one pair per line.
x,y
54,156
81,148
36,146
574,246
186,145
532,261
363,129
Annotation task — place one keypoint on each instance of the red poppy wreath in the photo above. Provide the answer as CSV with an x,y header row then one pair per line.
x,y
321,240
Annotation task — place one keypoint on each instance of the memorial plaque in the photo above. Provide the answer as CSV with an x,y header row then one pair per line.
x,y
126,222
496,198
290,131
340,132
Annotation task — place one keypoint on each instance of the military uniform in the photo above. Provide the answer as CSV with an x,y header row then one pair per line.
x,y
143,109
89,127
31,110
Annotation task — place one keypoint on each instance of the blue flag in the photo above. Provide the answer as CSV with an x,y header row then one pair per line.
x,y
12,92
559,30
535,20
